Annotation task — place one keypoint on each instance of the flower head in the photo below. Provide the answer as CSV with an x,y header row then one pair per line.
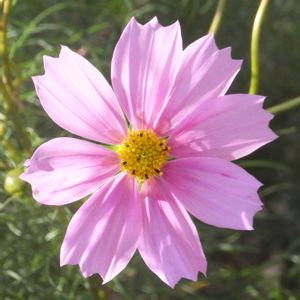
x,y
174,157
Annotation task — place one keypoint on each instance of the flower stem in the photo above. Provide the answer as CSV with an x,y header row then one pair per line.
x,y
20,132
215,24
256,29
286,106
6,87
6,5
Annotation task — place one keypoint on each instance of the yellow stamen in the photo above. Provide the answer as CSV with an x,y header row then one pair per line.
x,y
143,154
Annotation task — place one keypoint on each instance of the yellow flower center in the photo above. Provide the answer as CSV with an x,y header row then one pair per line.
x,y
143,154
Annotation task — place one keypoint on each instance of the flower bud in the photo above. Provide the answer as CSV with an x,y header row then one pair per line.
x,y
12,183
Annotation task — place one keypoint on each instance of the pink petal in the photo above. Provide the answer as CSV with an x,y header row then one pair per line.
x,y
78,98
205,72
214,190
64,170
143,68
169,244
228,127
103,234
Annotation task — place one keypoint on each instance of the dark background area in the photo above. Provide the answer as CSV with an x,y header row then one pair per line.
x,y
261,264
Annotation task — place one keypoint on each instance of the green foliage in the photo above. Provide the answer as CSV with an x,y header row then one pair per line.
x,y
263,264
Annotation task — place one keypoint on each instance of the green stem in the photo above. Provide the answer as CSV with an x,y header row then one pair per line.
x,y
6,5
283,107
6,87
9,105
215,24
255,46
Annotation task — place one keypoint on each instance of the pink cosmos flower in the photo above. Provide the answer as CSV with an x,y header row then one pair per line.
x,y
173,157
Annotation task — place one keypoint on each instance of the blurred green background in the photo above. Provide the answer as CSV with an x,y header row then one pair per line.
x,y
262,264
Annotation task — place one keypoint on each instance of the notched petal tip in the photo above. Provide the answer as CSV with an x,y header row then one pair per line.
x,y
85,273
172,283
207,39
37,80
106,279
49,61
154,20
228,52
132,22
269,116
66,52
154,24
64,47
249,222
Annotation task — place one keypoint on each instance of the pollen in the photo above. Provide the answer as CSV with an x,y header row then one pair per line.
x,y
143,154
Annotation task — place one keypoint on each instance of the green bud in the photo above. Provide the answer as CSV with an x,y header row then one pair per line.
x,y
12,183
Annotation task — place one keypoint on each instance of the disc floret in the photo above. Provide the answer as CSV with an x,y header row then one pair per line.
x,y
143,154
